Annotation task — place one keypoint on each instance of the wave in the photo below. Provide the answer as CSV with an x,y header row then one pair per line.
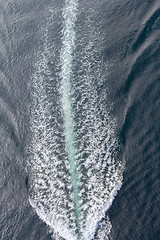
x,y
73,164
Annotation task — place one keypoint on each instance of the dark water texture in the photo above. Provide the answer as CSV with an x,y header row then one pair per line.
x,y
132,49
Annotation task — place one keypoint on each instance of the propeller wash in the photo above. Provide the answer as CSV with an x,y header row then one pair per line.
x,y
74,171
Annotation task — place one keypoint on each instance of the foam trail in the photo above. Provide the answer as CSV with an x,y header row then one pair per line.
x,y
68,46
73,164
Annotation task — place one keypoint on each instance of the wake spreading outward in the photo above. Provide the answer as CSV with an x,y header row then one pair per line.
x,y
74,171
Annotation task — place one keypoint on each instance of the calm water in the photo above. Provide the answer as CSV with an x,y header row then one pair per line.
x,y
79,81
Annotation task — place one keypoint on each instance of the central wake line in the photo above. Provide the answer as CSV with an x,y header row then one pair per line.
x,y
68,45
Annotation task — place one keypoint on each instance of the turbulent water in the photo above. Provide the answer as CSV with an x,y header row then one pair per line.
x,y
79,120
74,171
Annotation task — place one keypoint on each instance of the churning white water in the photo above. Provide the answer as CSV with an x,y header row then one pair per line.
x,y
73,171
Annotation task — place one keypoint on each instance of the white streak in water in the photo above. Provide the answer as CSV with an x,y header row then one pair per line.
x,y
68,46
74,175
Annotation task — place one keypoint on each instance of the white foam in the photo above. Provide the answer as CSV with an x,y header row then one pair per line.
x,y
74,170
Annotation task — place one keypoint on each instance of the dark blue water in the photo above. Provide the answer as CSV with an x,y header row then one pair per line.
x,y
125,47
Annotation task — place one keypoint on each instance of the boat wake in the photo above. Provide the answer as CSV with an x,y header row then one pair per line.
x,y
73,164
